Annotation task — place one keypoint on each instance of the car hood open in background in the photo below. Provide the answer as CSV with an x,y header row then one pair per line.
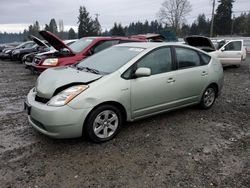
x,y
200,42
38,41
52,79
54,41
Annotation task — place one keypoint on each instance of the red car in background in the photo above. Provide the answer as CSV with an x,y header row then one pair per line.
x,y
79,50
150,37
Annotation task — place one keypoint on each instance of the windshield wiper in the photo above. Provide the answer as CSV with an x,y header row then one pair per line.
x,y
87,69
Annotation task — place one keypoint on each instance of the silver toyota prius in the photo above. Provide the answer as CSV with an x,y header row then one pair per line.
x,y
122,83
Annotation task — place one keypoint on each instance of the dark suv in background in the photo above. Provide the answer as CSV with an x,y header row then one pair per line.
x,y
7,52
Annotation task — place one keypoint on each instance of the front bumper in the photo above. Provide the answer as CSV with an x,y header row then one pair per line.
x,y
56,122
28,65
14,56
4,55
38,68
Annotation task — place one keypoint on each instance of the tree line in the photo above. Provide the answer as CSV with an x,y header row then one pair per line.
x,y
224,24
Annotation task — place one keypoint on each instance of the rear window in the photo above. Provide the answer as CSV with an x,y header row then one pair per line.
x,y
81,44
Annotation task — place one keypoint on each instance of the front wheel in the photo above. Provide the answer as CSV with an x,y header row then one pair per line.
x,y
208,97
103,123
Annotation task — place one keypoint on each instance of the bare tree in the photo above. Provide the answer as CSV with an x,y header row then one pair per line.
x,y
173,13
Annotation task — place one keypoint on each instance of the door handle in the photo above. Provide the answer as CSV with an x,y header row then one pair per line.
x,y
204,73
171,80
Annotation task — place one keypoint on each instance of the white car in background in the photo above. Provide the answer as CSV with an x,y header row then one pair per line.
x,y
231,53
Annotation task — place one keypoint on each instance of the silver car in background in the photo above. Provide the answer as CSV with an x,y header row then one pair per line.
x,y
122,83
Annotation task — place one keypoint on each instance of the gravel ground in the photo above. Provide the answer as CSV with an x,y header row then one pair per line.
x,y
184,148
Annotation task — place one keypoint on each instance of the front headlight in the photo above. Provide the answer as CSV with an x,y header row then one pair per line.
x,y
50,62
7,51
65,96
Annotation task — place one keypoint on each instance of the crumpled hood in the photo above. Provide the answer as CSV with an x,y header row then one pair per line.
x,y
52,79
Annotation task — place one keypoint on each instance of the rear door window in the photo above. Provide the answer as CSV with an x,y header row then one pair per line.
x,y
187,58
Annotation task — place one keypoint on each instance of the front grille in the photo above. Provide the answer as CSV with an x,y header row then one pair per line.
x,y
37,60
41,99
29,59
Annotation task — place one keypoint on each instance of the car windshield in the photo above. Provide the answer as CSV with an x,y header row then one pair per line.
x,y
34,46
51,48
110,60
20,45
81,44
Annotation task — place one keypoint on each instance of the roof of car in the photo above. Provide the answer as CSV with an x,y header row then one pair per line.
x,y
150,44
112,37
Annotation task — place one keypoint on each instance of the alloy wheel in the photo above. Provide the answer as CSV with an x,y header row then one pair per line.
x,y
209,97
105,124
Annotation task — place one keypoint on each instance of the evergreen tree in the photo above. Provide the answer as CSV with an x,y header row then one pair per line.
x,y
32,30
72,34
53,26
202,25
248,24
193,29
223,17
97,27
185,30
117,30
46,27
106,33
240,25
86,25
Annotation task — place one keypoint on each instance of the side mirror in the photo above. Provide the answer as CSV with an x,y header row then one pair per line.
x,y
65,52
142,72
223,49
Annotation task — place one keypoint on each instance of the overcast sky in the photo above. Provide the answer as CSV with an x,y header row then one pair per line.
x,y
15,15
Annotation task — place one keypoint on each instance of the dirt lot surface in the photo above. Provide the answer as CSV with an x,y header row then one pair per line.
x,y
184,148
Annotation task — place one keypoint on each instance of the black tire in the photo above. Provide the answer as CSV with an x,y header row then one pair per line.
x,y
20,59
92,125
208,97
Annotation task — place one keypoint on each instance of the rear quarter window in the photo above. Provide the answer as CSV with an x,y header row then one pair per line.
x,y
205,58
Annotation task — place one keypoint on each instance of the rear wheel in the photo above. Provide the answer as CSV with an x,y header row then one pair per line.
x,y
208,97
103,123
